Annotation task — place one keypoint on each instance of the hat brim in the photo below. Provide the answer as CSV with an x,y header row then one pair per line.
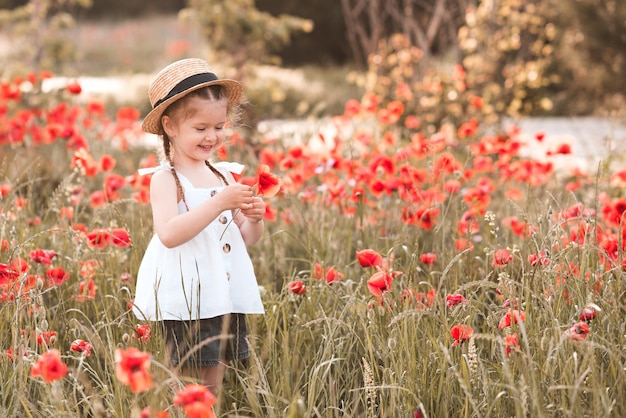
x,y
152,121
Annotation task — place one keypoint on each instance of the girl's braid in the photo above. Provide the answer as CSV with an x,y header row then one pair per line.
x,y
168,157
217,172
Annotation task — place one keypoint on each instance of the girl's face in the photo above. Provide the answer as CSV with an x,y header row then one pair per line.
x,y
197,130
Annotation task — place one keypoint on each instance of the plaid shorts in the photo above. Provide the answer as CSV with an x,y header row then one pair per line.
x,y
204,342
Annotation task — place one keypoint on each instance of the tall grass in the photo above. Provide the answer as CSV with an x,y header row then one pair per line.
x,y
337,349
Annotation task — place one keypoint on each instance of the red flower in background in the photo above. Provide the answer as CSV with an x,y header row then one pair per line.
x,y
501,258
333,275
49,366
454,299
99,238
74,87
380,282
538,259
578,331
589,312
428,258
352,108
369,258
426,300
147,412
267,184
511,343
297,287
20,265
56,276
196,400
86,290
42,256
318,271
143,333
81,346
84,162
112,184
513,316
120,238
5,189
461,333
131,368
46,338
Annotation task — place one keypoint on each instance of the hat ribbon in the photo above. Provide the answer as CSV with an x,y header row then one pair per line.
x,y
186,84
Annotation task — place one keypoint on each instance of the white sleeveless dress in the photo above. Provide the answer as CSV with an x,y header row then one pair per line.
x,y
202,278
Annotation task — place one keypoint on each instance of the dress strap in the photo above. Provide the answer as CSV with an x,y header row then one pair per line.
x,y
151,170
230,166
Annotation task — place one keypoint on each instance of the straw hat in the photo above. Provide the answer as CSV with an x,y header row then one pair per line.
x,y
179,79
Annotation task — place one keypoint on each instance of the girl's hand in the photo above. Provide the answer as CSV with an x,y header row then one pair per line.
x,y
254,212
236,196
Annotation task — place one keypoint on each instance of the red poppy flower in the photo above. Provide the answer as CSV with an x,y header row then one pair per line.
x,y
454,299
46,338
112,184
147,412
426,300
42,256
428,258
461,333
578,331
85,162
297,287
86,290
95,107
267,184
74,87
412,122
501,258
5,189
511,343
369,258
99,238
66,212
513,316
56,276
333,275
589,312
20,265
352,108
196,400
120,238
380,282
49,366
81,346
131,369
538,259
477,102
318,271
143,333
106,163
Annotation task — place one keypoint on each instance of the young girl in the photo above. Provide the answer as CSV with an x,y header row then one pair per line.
x,y
196,278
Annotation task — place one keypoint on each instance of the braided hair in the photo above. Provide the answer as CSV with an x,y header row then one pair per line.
x,y
212,93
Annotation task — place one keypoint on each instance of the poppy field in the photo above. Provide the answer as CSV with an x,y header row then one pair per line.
x,y
405,272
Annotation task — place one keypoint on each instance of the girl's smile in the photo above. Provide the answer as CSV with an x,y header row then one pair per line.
x,y
198,130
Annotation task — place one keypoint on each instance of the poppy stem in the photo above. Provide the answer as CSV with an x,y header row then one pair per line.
x,y
254,191
229,222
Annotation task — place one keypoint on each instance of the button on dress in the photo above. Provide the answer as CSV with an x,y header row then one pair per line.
x,y
202,278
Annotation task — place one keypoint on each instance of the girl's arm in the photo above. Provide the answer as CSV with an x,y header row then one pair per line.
x,y
175,229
